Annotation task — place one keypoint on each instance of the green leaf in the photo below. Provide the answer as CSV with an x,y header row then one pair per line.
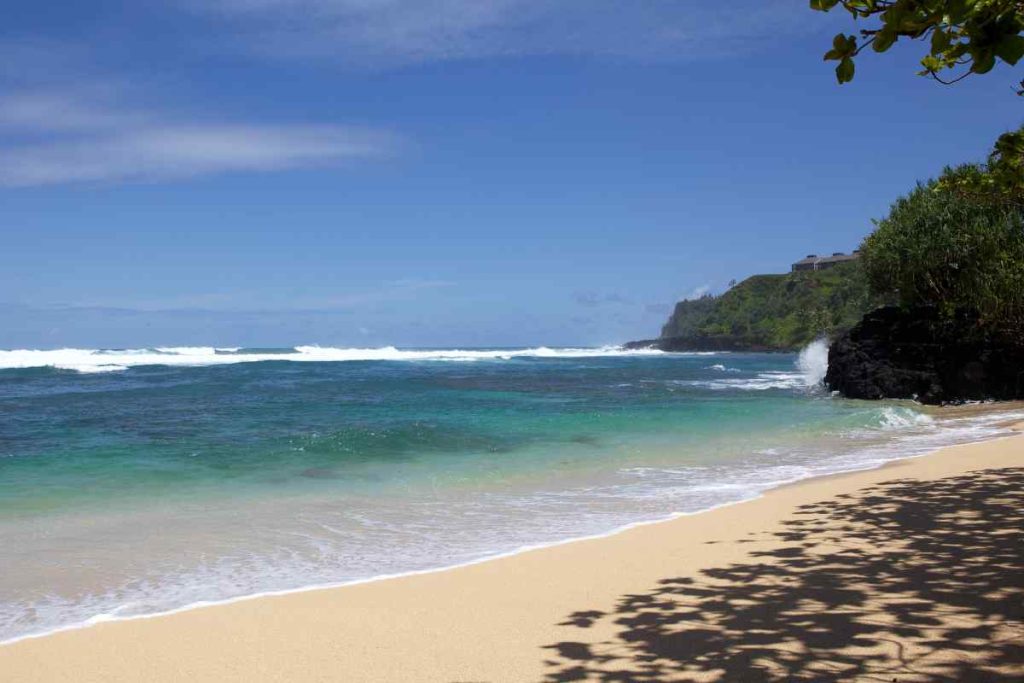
x,y
844,72
957,10
842,46
977,33
983,62
1010,49
940,41
883,40
930,64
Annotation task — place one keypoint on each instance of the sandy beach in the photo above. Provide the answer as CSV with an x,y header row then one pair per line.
x,y
912,572
493,341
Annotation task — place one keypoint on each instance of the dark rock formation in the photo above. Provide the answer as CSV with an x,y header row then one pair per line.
x,y
917,353
702,343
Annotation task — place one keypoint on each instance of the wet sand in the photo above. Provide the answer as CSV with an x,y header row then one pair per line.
x,y
912,572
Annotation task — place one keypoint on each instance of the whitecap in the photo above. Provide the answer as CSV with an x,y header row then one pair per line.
x,y
107,360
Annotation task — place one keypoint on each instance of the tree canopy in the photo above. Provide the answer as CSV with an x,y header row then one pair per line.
x,y
999,181
964,37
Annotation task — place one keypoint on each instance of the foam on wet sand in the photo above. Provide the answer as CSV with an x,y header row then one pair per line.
x,y
911,571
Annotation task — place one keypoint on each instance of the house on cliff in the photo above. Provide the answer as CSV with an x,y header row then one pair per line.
x,y
815,262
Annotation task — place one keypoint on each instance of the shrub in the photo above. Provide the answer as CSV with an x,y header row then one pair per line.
x,y
950,249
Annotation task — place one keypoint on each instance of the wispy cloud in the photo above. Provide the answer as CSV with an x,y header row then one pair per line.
x,y
51,137
407,31
698,292
79,109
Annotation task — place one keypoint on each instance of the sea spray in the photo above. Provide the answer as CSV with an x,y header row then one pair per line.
x,y
813,362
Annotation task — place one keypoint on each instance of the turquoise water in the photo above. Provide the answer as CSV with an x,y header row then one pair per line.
x,y
134,482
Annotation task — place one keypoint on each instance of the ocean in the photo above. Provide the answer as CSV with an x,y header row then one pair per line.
x,y
138,482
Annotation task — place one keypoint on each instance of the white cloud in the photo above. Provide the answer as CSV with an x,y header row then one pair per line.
x,y
47,111
404,31
698,292
53,137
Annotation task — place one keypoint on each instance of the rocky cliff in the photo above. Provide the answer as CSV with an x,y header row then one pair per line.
x,y
770,312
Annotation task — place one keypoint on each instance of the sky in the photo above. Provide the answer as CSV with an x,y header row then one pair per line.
x,y
438,172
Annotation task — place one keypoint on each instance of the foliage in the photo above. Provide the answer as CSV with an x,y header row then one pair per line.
x,y
779,311
954,243
941,246
688,316
965,35
1006,162
999,181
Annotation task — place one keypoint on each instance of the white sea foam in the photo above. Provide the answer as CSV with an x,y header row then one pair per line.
x,y
762,381
503,525
183,350
719,367
337,543
808,373
892,417
813,362
108,360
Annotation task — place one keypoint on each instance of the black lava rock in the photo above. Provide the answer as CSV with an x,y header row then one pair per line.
x,y
918,353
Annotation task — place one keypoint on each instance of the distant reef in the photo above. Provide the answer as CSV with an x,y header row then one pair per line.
x,y
919,354
781,312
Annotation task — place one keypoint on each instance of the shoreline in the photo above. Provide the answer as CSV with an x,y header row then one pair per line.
x,y
966,410
338,593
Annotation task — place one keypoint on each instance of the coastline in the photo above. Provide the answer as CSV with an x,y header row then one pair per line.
x,y
397,628
968,411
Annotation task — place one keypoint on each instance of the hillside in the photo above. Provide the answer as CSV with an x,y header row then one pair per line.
x,y
771,312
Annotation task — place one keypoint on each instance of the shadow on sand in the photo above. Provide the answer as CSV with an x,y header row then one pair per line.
x,y
908,581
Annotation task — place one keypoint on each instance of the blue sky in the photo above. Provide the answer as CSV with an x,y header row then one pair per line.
x,y
437,172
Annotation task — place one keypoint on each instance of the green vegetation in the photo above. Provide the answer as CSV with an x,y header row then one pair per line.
x,y
782,312
965,35
999,181
953,243
688,316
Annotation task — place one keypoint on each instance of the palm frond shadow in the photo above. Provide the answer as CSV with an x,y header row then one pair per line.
x,y
908,581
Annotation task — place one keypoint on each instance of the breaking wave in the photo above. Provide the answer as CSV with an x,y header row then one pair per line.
x,y
763,381
892,417
808,374
113,360
721,368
